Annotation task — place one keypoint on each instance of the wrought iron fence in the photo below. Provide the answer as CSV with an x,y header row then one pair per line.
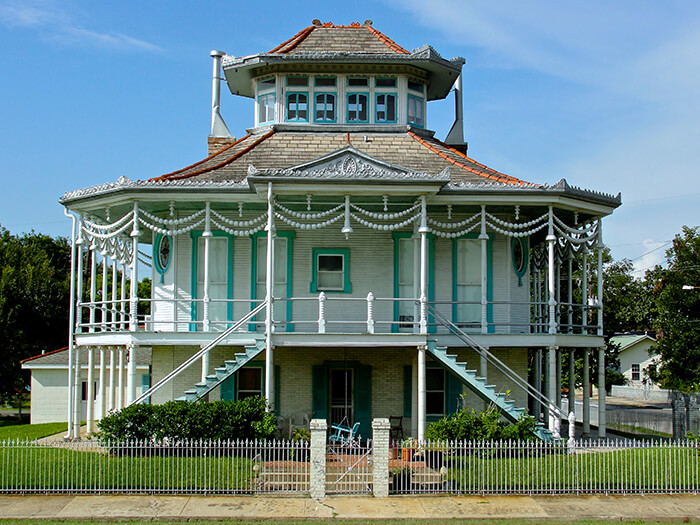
x,y
537,467
253,467
196,467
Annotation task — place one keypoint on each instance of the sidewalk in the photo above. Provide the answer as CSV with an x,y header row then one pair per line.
x,y
666,507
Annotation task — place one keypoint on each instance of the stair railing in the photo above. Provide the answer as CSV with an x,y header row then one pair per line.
x,y
500,365
195,357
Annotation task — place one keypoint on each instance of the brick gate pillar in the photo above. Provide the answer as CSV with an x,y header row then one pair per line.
x,y
380,457
317,481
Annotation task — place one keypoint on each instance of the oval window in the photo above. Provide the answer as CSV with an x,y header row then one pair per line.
x,y
520,256
161,254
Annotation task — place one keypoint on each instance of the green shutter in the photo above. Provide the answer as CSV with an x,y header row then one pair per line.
x,y
363,399
454,391
407,390
228,388
319,392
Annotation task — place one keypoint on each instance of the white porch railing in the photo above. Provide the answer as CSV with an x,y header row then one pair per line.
x,y
331,313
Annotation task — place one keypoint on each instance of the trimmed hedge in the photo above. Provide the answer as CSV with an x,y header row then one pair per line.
x,y
180,420
481,426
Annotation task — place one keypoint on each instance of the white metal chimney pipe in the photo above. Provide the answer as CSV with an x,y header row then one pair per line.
x,y
215,88
456,133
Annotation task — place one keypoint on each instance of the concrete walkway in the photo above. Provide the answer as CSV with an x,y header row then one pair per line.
x,y
561,508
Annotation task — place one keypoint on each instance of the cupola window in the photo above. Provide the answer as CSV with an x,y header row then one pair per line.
x,y
298,81
266,100
385,82
358,82
298,107
385,108
325,107
358,111
415,111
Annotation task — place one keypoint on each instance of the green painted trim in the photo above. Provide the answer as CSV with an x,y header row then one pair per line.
x,y
325,77
195,235
347,107
335,106
345,252
289,235
376,105
388,77
526,257
156,259
298,76
431,277
489,277
286,106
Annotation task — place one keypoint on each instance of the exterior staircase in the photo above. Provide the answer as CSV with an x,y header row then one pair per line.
x,y
222,373
486,392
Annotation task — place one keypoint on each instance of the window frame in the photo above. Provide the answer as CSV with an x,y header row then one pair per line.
x,y
335,106
638,372
365,94
287,107
489,281
345,253
376,107
420,103
262,104
443,390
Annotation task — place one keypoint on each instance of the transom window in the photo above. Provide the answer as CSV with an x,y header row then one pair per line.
x,y
330,270
298,107
325,110
358,110
387,82
324,81
358,82
298,81
415,86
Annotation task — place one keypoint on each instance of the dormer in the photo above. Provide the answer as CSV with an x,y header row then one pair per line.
x,y
342,76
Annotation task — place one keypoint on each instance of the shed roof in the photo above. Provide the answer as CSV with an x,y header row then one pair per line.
x,y
59,359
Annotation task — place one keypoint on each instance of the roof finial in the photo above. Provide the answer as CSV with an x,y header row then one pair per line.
x,y
316,22
368,22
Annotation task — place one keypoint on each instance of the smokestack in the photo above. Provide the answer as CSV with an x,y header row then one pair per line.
x,y
455,137
218,126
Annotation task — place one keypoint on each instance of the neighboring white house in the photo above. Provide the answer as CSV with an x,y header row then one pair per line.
x,y
49,384
389,272
635,357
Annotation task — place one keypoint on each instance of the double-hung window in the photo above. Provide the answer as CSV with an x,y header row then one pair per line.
x,y
330,270
385,100
467,284
266,100
358,110
416,103
325,99
297,99
435,392
636,373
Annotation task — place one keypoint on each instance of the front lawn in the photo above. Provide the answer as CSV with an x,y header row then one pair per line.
x,y
10,431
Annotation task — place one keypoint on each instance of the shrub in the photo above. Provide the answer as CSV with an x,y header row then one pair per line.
x,y
480,426
180,420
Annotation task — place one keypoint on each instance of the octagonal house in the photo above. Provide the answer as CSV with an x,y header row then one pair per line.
x,y
338,259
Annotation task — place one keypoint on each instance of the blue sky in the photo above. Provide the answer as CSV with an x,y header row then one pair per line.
x,y
603,94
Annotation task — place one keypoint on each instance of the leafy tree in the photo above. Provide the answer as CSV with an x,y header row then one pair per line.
x,y
679,313
34,295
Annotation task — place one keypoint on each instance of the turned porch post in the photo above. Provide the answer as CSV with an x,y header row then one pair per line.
x,y
484,238
600,247
423,230
421,392
269,295
551,238
133,295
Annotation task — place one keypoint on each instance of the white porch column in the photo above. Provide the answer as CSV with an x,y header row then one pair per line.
x,y
131,377
133,296
584,289
78,298
601,392
206,235
570,294
112,383
90,416
104,320
586,394
120,380
483,237
572,380
551,238
102,386
600,247
113,298
269,297
72,351
77,391
552,383
93,284
122,293
421,392
559,360
423,230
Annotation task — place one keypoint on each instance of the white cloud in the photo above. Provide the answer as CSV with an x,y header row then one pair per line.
x,y
56,25
653,254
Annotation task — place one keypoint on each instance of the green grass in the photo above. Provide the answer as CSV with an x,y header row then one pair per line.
x,y
54,469
654,469
22,431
